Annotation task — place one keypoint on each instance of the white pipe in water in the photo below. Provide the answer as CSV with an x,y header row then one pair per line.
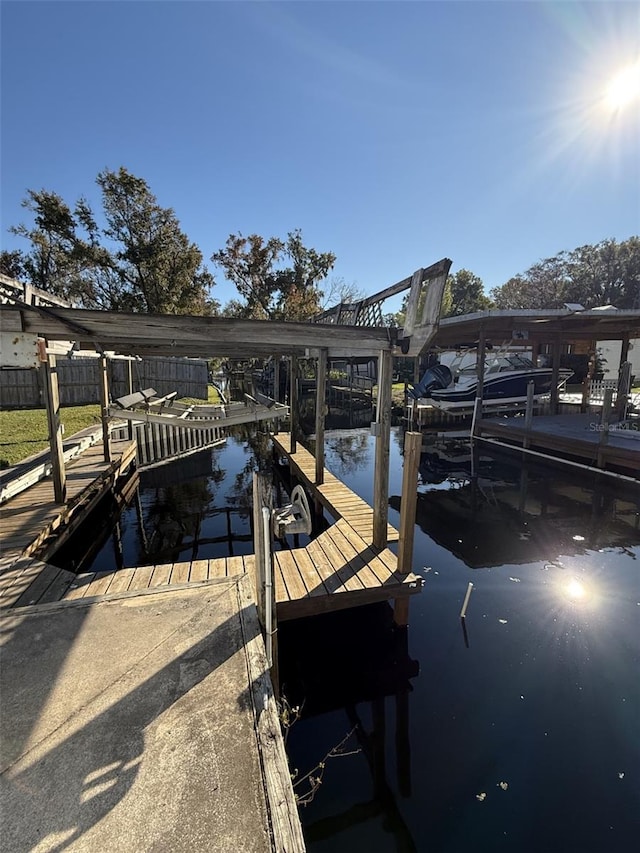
x,y
463,612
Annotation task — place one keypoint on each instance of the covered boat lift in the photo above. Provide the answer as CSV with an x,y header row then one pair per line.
x,y
591,440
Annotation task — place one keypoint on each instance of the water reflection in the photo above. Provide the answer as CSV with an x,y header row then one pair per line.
x,y
361,686
522,724
513,511
198,507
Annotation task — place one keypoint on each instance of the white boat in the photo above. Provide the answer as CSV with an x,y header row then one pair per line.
x,y
506,378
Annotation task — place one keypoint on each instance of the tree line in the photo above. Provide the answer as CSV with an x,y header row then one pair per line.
x,y
135,257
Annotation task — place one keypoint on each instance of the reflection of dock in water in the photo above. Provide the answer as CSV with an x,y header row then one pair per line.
x,y
361,664
507,514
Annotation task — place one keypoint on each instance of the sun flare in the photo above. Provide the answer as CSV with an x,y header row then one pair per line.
x,y
575,590
624,88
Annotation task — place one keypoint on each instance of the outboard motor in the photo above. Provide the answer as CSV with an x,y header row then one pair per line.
x,y
436,377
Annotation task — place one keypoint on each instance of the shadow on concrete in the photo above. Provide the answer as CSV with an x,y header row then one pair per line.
x,y
111,705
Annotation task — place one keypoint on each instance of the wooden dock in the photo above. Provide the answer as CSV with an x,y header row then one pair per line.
x,y
335,571
579,436
335,497
339,569
33,523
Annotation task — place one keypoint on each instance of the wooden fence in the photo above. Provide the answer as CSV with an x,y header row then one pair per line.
x,y
78,379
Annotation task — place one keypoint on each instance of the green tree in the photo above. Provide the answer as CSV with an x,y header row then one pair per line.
x,y
137,260
12,264
275,279
160,269
464,294
56,260
607,273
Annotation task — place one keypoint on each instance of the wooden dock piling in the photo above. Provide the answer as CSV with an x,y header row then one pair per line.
x,y
412,450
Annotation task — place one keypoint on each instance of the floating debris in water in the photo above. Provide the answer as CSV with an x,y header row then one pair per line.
x,y
620,775
427,569
481,797
524,536
521,696
578,538
515,580
502,621
503,785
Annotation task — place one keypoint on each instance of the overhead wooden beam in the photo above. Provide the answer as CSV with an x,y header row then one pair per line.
x,y
117,330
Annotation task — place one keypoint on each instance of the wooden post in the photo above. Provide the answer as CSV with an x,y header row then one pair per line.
x,y
276,390
276,378
409,500
586,382
350,369
293,400
52,398
130,383
321,391
477,406
624,351
604,426
258,545
528,417
535,351
104,404
624,386
382,432
555,374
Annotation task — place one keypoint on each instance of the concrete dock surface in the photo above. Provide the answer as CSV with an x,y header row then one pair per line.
x,y
130,723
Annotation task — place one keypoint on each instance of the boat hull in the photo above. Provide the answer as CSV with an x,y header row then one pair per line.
x,y
508,388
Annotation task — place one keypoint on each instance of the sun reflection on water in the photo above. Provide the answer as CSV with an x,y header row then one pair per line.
x,y
577,591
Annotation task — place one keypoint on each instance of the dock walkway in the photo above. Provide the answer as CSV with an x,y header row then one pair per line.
x,y
339,569
577,435
337,498
30,518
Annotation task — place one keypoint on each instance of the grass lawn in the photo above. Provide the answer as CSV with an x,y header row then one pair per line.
x,y
24,432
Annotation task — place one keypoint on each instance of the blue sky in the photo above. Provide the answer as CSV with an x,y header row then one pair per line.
x,y
391,133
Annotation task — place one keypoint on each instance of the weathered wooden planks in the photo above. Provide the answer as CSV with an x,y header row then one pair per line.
x,y
334,495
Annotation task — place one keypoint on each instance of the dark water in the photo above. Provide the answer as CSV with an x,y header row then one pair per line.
x,y
196,508
521,733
